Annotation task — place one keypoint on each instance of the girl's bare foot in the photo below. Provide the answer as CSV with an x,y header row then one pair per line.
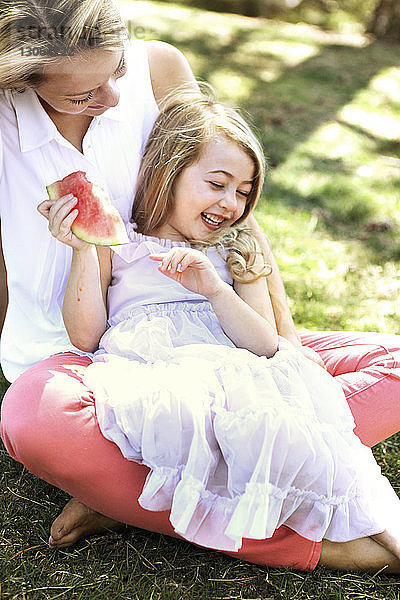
x,y
76,521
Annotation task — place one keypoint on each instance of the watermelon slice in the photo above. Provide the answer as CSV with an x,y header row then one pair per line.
x,y
98,221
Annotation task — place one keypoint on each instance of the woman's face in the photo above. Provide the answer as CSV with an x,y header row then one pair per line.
x,y
85,83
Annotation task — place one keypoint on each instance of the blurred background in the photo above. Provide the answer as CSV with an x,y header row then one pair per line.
x,y
320,81
379,17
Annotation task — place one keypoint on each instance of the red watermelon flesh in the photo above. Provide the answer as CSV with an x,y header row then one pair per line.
x,y
98,221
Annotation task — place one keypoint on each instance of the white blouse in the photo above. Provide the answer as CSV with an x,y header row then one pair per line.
x,y
34,154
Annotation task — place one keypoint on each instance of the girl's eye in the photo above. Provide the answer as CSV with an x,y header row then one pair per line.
x,y
244,194
216,185
88,97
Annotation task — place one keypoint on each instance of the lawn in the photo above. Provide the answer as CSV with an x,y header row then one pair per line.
x,y
326,107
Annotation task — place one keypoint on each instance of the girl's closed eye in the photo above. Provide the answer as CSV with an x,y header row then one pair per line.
x,y
214,184
220,186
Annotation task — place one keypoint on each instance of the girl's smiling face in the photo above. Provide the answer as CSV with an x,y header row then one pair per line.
x,y
210,194
84,83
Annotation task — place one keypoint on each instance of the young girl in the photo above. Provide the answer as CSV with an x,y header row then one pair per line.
x,y
241,433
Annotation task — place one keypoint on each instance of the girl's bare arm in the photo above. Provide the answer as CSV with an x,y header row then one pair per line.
x,y
85,299
257,332
84,308
247,321
283,318
280,306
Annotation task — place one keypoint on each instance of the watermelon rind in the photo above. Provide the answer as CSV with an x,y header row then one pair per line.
x,y
106,227
52,191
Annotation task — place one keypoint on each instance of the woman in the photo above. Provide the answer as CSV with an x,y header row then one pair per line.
x,y
72,114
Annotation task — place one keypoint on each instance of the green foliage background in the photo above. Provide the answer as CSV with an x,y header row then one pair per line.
x,y
340,15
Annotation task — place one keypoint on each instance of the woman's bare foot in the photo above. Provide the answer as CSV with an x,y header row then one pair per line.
x,y
76,521
363,554
389,541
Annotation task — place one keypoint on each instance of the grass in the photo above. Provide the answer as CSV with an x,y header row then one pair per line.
x,y
326,108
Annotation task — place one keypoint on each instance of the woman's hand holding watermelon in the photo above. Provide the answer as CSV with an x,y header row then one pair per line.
x,y
61,214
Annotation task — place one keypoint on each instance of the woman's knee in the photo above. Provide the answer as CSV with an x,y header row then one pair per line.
x,y
16,427
49,425
42,408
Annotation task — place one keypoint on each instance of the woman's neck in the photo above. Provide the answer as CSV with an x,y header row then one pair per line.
x,y
72,127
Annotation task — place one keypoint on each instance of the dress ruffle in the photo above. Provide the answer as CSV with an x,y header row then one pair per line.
x,y
142,245
140,238
237,444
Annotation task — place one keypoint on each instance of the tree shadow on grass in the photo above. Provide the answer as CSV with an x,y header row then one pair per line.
x,y
303,97
289,109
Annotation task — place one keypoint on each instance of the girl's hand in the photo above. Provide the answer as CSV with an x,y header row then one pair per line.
x,y
60,215
192,269
312,355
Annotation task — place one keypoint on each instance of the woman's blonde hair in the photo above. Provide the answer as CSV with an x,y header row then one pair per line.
x,y
188,121
37,33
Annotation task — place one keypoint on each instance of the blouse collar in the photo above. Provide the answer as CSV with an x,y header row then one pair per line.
x,y
35,128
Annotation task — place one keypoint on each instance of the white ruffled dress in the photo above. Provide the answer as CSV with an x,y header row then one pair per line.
x,y
237,444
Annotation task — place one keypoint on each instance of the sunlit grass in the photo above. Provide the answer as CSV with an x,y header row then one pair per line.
x,y
229,83
289,52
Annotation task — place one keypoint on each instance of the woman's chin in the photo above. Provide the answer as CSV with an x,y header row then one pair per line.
x,y
94,112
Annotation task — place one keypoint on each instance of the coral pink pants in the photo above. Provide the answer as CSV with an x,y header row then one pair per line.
x,y
49,424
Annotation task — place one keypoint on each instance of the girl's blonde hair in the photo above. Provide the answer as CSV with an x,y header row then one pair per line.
x,y
188,121
37,33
